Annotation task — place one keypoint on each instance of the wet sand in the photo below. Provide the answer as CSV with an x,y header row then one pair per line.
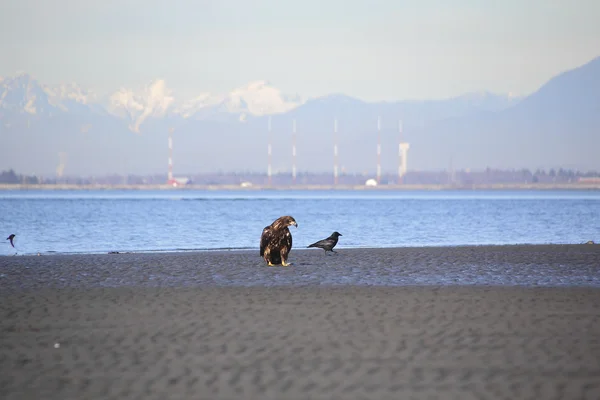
x,y
219,325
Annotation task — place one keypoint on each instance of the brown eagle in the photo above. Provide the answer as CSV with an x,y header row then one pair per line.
x,y
276,241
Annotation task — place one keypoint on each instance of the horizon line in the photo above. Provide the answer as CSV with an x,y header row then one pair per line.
x,y
543,170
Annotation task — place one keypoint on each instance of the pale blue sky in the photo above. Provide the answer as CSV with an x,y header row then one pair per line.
x,y
374,50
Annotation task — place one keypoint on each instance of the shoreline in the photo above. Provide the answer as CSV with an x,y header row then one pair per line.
x,y
505,265
300,187
252,250
299,249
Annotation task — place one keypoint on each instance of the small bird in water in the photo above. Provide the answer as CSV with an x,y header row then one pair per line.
x,y
329,243
11,237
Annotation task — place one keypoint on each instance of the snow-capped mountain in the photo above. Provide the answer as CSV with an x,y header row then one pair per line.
x,y
157,100
23,94
260,98
198,104
70,96
154,100
256,98
556,126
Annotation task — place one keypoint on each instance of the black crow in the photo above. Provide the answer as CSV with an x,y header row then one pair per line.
x,y
329,243
11,237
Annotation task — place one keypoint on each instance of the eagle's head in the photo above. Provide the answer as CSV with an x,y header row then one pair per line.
x,y
286,221
336,234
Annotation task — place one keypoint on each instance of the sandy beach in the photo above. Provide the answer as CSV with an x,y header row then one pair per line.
x,y
518,322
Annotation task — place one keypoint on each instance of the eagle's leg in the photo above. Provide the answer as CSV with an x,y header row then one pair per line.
x,y
267,257
285,252
269,263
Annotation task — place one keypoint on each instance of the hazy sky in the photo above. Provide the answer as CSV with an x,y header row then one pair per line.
x,y
372,49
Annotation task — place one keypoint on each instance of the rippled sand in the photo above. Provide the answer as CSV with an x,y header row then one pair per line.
x,y
219,325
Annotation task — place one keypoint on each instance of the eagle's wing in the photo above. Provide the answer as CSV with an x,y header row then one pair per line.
x,y
265,238
283,243
288,239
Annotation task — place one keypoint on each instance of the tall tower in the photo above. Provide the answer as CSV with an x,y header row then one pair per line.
x,y
403,154
335,152
451,173
294,151
62,163
400,158
269,153
378,150
170,173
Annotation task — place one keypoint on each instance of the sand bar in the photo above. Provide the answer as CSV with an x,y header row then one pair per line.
x,y
218,325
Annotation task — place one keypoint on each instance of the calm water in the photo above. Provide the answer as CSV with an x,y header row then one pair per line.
x,y
102,221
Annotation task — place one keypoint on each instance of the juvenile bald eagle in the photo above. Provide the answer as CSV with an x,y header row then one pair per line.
x,y
327,244
276,241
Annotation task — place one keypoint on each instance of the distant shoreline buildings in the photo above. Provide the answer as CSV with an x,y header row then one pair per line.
x,y
462,178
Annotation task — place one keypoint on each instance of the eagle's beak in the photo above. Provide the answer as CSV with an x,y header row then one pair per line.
x,y
295,224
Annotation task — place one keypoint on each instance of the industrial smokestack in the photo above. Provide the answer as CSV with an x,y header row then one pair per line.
x,y
294,151
335,152
378,150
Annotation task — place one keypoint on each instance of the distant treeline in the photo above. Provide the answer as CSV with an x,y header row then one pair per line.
x,y
460,177
11,176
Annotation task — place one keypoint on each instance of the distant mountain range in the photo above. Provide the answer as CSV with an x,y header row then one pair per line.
x,y
67,129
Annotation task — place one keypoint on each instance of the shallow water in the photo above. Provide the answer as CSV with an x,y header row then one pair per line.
x,y
179,220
